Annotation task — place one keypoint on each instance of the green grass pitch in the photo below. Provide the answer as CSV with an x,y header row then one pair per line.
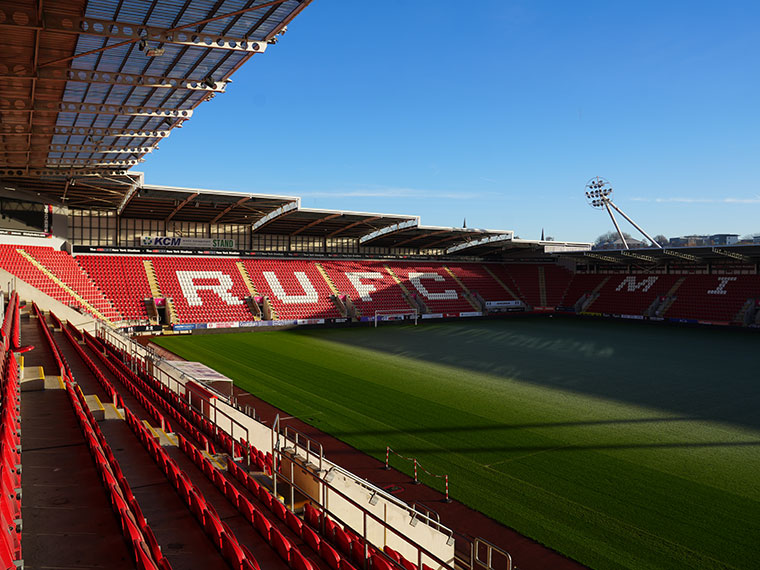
x,y
619,445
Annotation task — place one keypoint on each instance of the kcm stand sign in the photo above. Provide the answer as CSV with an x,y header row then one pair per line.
x,y
163,241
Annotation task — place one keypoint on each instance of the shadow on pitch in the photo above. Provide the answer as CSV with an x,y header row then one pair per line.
x,y
703,374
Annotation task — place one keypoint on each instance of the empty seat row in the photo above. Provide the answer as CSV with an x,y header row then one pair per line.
x,y
10,438
220,534
144,547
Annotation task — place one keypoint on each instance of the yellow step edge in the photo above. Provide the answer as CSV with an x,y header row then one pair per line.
x,y
173,439
327,278
150,273
150,429
214,460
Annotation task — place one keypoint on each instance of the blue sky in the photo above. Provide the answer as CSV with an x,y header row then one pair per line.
x,y
497,112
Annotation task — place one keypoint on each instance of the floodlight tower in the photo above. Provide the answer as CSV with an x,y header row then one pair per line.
x,y
599,195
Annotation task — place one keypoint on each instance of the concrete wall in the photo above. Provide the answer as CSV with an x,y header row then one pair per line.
x,y
31,294
54,242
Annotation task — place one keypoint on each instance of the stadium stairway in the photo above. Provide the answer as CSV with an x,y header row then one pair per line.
x,y
499,296
433,285
294,288
714,298
125,280
184,539
367,285
474,303
630,294
64,504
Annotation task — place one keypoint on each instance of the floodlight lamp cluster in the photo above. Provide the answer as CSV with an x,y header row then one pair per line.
x,y
599,195
598,191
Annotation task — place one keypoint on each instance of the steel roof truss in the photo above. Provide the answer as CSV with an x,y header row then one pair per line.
x,y
352,225
314,223
181,205
138,32
229,209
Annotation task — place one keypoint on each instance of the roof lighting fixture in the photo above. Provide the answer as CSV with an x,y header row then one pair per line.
x,y
209,82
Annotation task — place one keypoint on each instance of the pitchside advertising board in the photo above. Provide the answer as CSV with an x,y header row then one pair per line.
x,y
163,241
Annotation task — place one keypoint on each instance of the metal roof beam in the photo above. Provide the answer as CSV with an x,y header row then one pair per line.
x,y
283,210
435,243
314,223
83,148
641,256
131,193
681,255
182,204
228,209
731,254
22,106
600,257
72,131
26,172
375,234
353,225
116,78
135,32
415,238
74,162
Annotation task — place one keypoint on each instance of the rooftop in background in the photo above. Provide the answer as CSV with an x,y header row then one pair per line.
x,y
650,258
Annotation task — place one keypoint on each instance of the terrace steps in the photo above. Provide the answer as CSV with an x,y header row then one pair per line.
x,y
407,295
500,282
327,278
246,278
542,285
150,273
467,293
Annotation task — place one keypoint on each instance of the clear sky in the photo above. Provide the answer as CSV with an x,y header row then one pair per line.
x,y
497,111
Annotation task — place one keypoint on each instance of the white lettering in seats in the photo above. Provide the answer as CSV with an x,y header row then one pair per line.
x,y
721,288
309,292
630,281
364,289
416,278
222,288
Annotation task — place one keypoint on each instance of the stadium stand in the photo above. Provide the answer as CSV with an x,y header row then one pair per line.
x,y
438,290
557,280
127,293
718,298
630,294
368,284
56,274
10,438
203,289
295,288
479,281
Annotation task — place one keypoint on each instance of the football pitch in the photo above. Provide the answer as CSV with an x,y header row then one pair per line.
x,y
620,445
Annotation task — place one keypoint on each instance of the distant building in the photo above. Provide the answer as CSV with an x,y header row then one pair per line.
x,y
633,243
697,240
724,239
689,241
